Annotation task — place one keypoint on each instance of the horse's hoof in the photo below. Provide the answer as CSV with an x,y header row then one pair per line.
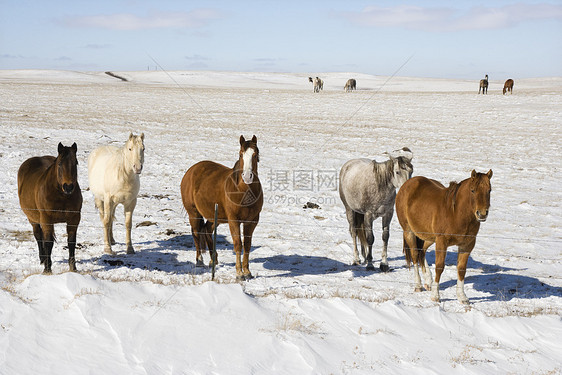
x,y
436,299
130,251
199,263
47,272
384,267
356,263
109,251
370,267
246,277
418,289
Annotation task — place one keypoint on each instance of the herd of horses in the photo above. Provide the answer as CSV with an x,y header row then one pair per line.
x,y
214,194
351,84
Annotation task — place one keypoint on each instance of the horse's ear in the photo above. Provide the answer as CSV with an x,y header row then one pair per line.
x,y
473,175
489,174
142,136
60,148
242,140
74,147
130,135
254,139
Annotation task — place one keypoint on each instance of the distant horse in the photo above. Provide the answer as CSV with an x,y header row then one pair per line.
x,y
367,190
239,196
508,86
49,193
114,175
483,85
318,84
430,213
350,85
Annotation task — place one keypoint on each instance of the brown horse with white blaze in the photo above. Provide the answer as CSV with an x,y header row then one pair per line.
x,y
431,213
239,196
49,193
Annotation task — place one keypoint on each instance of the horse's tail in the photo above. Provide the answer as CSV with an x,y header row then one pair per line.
x,y
359,225
417,255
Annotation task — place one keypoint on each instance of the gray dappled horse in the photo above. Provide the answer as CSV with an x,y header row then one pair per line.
x,y
350,85
368,190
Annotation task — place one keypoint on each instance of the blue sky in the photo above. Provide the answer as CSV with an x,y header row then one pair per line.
x,y
446,39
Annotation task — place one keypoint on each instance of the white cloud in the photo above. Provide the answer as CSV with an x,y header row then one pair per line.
x,y
451,19
156,20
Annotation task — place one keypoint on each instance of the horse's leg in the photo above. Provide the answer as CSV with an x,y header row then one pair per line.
x,y
48,242
101,208
248,232
71,230
440,254
196,222
235,234
108,213
427,273
353,232
370,239
411,254
38,234
129,224
387,217
462,260
208,230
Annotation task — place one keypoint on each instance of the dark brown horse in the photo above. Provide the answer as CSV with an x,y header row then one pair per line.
x,y
49,193
508,86
431,213
239,196
483,85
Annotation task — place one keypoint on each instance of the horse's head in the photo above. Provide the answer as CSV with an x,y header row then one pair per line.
x,y
67,168
134,152
249,158
402,166
480,189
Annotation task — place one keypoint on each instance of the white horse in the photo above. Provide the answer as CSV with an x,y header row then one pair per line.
x,y
318,84
113,174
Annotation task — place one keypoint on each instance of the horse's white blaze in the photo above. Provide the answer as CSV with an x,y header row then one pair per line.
x,y
247,173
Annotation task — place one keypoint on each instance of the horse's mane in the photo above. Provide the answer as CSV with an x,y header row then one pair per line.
x,y
383,172
451,195
235,171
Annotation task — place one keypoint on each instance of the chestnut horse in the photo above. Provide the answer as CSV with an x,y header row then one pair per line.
x,y
239,196
430,213
49,193
508,86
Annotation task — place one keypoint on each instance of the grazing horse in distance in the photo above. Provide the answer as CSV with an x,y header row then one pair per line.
x,y
483,85
49,193
367,190
114,175
239,196
318,84
350,85
508,86
431,213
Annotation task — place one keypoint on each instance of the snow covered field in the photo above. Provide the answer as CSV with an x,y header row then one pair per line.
x,y
308,310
